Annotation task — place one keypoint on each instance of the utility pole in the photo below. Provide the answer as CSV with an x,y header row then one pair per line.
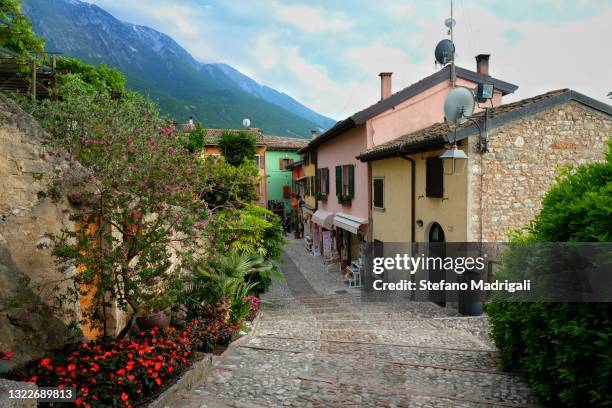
x,y
452,23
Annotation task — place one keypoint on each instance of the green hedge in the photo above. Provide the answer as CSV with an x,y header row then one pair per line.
x,y
564,350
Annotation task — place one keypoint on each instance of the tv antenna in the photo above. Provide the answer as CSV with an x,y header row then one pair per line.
x,y
445,50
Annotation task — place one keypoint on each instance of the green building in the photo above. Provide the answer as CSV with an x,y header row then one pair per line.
x,y
280,153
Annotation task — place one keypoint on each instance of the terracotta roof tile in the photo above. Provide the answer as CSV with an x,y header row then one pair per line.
x,y
439,131
271,142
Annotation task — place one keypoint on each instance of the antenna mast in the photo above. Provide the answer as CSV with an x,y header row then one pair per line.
x,y
452,23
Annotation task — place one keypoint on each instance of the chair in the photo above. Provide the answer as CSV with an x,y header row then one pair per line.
x,y
354,275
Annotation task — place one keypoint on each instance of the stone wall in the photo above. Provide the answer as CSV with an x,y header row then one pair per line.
x,y
523,161
27,326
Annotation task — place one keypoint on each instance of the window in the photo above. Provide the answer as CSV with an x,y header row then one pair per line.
x,y
259,159
258,189
287,191
434,177
345,181
284,163
310,158
323,181
378,193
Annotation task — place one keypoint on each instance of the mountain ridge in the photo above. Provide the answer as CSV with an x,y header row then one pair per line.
x,y
155,64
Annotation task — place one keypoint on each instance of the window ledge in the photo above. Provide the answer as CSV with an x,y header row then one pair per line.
x,y
378,209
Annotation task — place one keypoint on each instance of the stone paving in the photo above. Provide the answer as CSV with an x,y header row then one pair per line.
x,y
314,347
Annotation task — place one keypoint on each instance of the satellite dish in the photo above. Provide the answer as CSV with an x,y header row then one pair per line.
x,y
450,22
445,51
458,105
246,122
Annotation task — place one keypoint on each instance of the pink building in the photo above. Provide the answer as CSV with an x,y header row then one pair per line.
x,y
343,185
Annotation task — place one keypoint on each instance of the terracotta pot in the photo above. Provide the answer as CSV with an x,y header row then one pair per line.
x,y
160,319
297,234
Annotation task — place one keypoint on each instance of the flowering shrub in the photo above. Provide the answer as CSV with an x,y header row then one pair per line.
x,y
6,355
253,306
111,372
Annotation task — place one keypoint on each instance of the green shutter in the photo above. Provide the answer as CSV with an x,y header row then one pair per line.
x,y
326,180
318,181
338,180
351,180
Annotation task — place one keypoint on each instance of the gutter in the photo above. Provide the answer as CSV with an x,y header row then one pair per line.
x,y
412,190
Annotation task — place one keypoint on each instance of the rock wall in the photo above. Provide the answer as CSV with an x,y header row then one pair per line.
x,y
523,161
28,327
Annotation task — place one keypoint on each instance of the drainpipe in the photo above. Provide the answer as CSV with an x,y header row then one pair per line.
x,y
413,190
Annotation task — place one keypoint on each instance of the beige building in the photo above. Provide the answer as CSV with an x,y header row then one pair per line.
x,y
413,200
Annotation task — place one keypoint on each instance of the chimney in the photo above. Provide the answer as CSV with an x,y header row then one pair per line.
x,y
385,85
482,64
313,134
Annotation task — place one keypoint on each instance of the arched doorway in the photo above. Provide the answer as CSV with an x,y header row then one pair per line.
x,y
437,248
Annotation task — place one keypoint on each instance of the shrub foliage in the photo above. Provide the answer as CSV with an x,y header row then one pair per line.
x,y
564,350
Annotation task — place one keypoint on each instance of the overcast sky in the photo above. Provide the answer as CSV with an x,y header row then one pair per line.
x,y
328,53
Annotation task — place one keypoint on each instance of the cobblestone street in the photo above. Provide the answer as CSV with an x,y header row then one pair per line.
x,y
317,345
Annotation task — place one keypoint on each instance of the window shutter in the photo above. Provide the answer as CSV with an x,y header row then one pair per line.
x,y
313,158
286,191
326,180
338,180
379,191
289,162
318,181
351,180
434,177
281,164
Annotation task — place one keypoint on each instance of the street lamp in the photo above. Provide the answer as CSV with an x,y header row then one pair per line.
x,y
454,161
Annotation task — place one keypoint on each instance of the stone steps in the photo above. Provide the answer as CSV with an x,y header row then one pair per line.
x,y
334,383
440,338
465,359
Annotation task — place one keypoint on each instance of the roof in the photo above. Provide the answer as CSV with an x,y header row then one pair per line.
x,y
284,143
438,134
271,142
364,115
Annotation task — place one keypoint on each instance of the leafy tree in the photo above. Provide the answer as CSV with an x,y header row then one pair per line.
x,y
563,349
225,185
101,78
238,146
196,139
16,31
129,172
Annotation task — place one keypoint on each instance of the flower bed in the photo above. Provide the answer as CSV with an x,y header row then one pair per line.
x,y
111,372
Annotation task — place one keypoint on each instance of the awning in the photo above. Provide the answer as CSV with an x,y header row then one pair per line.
x,y
323,218
350,223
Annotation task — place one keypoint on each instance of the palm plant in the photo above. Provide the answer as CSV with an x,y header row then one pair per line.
x,y
221,282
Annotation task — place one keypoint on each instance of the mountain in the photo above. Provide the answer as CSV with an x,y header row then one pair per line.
x,y
215,94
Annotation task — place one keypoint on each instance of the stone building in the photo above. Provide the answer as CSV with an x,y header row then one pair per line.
x,y
28,326
414,200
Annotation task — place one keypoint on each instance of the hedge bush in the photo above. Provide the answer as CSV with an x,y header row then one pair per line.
x,y
564,350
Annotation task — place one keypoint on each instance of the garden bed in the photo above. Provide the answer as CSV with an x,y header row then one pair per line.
x,y
129,372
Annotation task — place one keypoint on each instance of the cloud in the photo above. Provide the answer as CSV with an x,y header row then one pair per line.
x,y
328,55
310,19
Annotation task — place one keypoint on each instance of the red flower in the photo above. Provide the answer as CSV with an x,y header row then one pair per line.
x,y
71,367
131,377
45,362
120,371
124,397
158,381
94,367
33,378
130,365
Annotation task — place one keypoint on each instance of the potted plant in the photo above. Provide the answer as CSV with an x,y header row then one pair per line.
x,y
156,311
